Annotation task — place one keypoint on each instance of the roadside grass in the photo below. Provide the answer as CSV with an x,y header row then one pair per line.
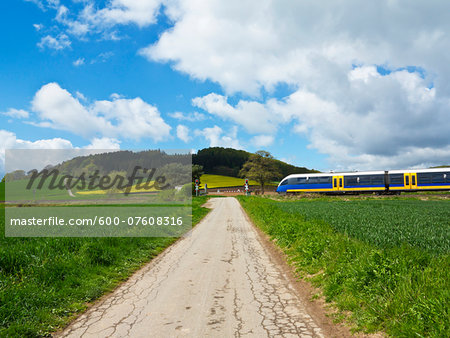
x,y
45,282
384,262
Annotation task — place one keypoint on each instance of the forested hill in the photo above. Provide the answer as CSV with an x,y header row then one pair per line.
x,y
228,161
215,160
122,161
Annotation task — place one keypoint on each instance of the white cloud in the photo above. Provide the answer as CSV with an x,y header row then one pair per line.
x,y
126,118
253,116
394,119
191,117
17,113
78,62
330,53
37,26
9,140
183,133
104,143
22,158
217,138
139,12
57,43
262,140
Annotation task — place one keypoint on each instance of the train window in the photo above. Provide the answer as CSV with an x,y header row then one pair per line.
x,y
351,180
364,179
284,182
406,180
413,180
377,179
301,180
340,182
424,178
324,179
396,178
438,178
313,180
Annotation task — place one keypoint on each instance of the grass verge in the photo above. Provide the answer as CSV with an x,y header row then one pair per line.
x,y
396,281
45,282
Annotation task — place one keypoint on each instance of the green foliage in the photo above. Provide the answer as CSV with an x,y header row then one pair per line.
x,y
44,282
121,161
197,172
261,168
2,191
175,174
14,176
390,272
228,162
186,191
384,223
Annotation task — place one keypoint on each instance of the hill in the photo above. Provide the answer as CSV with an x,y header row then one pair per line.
x,y
229,161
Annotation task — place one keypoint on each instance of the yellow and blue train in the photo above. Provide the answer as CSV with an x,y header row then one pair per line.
x,y
392,181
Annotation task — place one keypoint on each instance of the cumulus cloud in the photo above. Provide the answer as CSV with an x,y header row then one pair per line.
x,y
61,41
217,138
120,117
262,140
190,117
394,120
368,89
17,113
253,116
183,133
22,158
9,140
104,143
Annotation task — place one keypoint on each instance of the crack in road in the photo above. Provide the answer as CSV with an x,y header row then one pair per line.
x,y
218,281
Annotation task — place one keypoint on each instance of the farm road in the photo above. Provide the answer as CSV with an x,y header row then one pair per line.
x,y
220,281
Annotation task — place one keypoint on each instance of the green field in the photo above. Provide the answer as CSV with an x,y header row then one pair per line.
x,y
386,262
44,282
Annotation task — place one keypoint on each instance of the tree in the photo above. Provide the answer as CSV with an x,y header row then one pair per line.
x,y
197,171
261,168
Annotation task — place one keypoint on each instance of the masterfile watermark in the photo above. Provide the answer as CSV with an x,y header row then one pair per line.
x,y
96,181
97,193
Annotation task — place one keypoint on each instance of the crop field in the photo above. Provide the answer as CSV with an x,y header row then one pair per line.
x,y
383,263
219,181
384,223
44,282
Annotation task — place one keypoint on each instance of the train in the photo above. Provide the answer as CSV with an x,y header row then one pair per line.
x,y
380,182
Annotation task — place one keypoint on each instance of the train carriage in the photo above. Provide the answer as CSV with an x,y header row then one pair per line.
x,y
394,181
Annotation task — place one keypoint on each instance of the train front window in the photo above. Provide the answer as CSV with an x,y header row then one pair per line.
x,y
284,182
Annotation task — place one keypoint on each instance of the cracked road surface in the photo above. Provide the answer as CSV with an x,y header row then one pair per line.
x,y
219,281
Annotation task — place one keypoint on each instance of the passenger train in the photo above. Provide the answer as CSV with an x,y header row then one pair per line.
x,y
382,182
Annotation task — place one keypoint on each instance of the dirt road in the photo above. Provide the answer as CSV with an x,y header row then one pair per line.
x,y
219,281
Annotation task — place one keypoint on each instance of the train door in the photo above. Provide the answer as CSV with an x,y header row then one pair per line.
x,y
410,180
338,183
413,181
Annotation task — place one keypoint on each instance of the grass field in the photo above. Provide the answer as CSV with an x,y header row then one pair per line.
x,y
44,282
386,261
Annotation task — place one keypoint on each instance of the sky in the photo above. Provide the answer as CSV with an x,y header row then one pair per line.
x,y
330,85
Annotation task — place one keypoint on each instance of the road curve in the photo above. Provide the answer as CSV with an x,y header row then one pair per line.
x,y
219,281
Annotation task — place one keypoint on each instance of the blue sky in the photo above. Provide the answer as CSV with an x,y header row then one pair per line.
x,y
317,85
